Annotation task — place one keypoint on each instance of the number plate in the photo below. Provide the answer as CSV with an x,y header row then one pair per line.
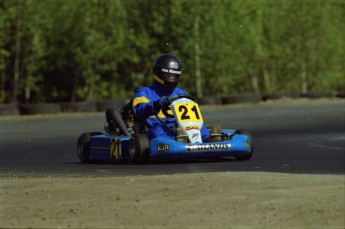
x,y
187,112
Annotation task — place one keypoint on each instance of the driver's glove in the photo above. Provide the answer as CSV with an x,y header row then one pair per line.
x,y
163,102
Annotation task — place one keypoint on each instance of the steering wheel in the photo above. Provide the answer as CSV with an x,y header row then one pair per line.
x,y
173,98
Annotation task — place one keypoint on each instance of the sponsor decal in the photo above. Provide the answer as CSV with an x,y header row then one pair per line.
x,y
162,147
196,135
246,144
171,71
192,128
174,72
206,147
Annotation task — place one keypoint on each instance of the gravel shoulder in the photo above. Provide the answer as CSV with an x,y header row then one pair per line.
x,y
202,200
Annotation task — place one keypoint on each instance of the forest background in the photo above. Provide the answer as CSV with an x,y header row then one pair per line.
x,y
89,50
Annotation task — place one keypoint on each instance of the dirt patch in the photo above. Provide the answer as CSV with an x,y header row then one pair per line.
x,y
203,200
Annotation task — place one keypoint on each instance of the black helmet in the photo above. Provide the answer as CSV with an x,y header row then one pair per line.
x,y
167,70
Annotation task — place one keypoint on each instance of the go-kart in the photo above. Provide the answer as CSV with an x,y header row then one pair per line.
x,y
126,139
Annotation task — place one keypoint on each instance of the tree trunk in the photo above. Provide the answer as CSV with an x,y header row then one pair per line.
x,y
16,70
74,88
2,82
304,83
267,79
254,80
197,57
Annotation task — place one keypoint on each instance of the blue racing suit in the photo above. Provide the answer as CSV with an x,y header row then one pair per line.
x,y
143,109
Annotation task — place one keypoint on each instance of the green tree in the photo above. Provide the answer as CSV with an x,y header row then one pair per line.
x,y
78,50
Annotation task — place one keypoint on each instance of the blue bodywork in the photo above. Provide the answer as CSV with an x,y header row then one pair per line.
x,y
101,147
114,148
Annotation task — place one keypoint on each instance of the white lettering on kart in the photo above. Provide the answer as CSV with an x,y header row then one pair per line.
x,y
206,147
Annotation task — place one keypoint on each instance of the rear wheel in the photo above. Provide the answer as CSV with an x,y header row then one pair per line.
x,y
83,146
139,150
251,143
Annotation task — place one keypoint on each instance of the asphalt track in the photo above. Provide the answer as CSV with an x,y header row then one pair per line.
x,y
306,138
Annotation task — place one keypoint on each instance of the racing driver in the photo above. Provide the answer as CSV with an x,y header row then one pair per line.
x,y
149,101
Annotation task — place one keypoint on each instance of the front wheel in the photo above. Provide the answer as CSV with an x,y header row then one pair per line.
x,y
83,146
251,144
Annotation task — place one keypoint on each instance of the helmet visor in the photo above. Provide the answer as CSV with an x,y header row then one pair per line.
x,y
173,78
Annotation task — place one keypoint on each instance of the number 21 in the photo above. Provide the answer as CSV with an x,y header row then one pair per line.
x,y
185,115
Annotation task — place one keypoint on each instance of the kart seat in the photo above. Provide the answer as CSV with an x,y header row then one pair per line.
x,y
134,125
122,121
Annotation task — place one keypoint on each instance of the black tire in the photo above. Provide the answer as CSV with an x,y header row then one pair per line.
x,y
243,98
340,95
104,104
78,107
210,100
316,94
142,149
83,146
247,156
282,95
9,109
40,108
